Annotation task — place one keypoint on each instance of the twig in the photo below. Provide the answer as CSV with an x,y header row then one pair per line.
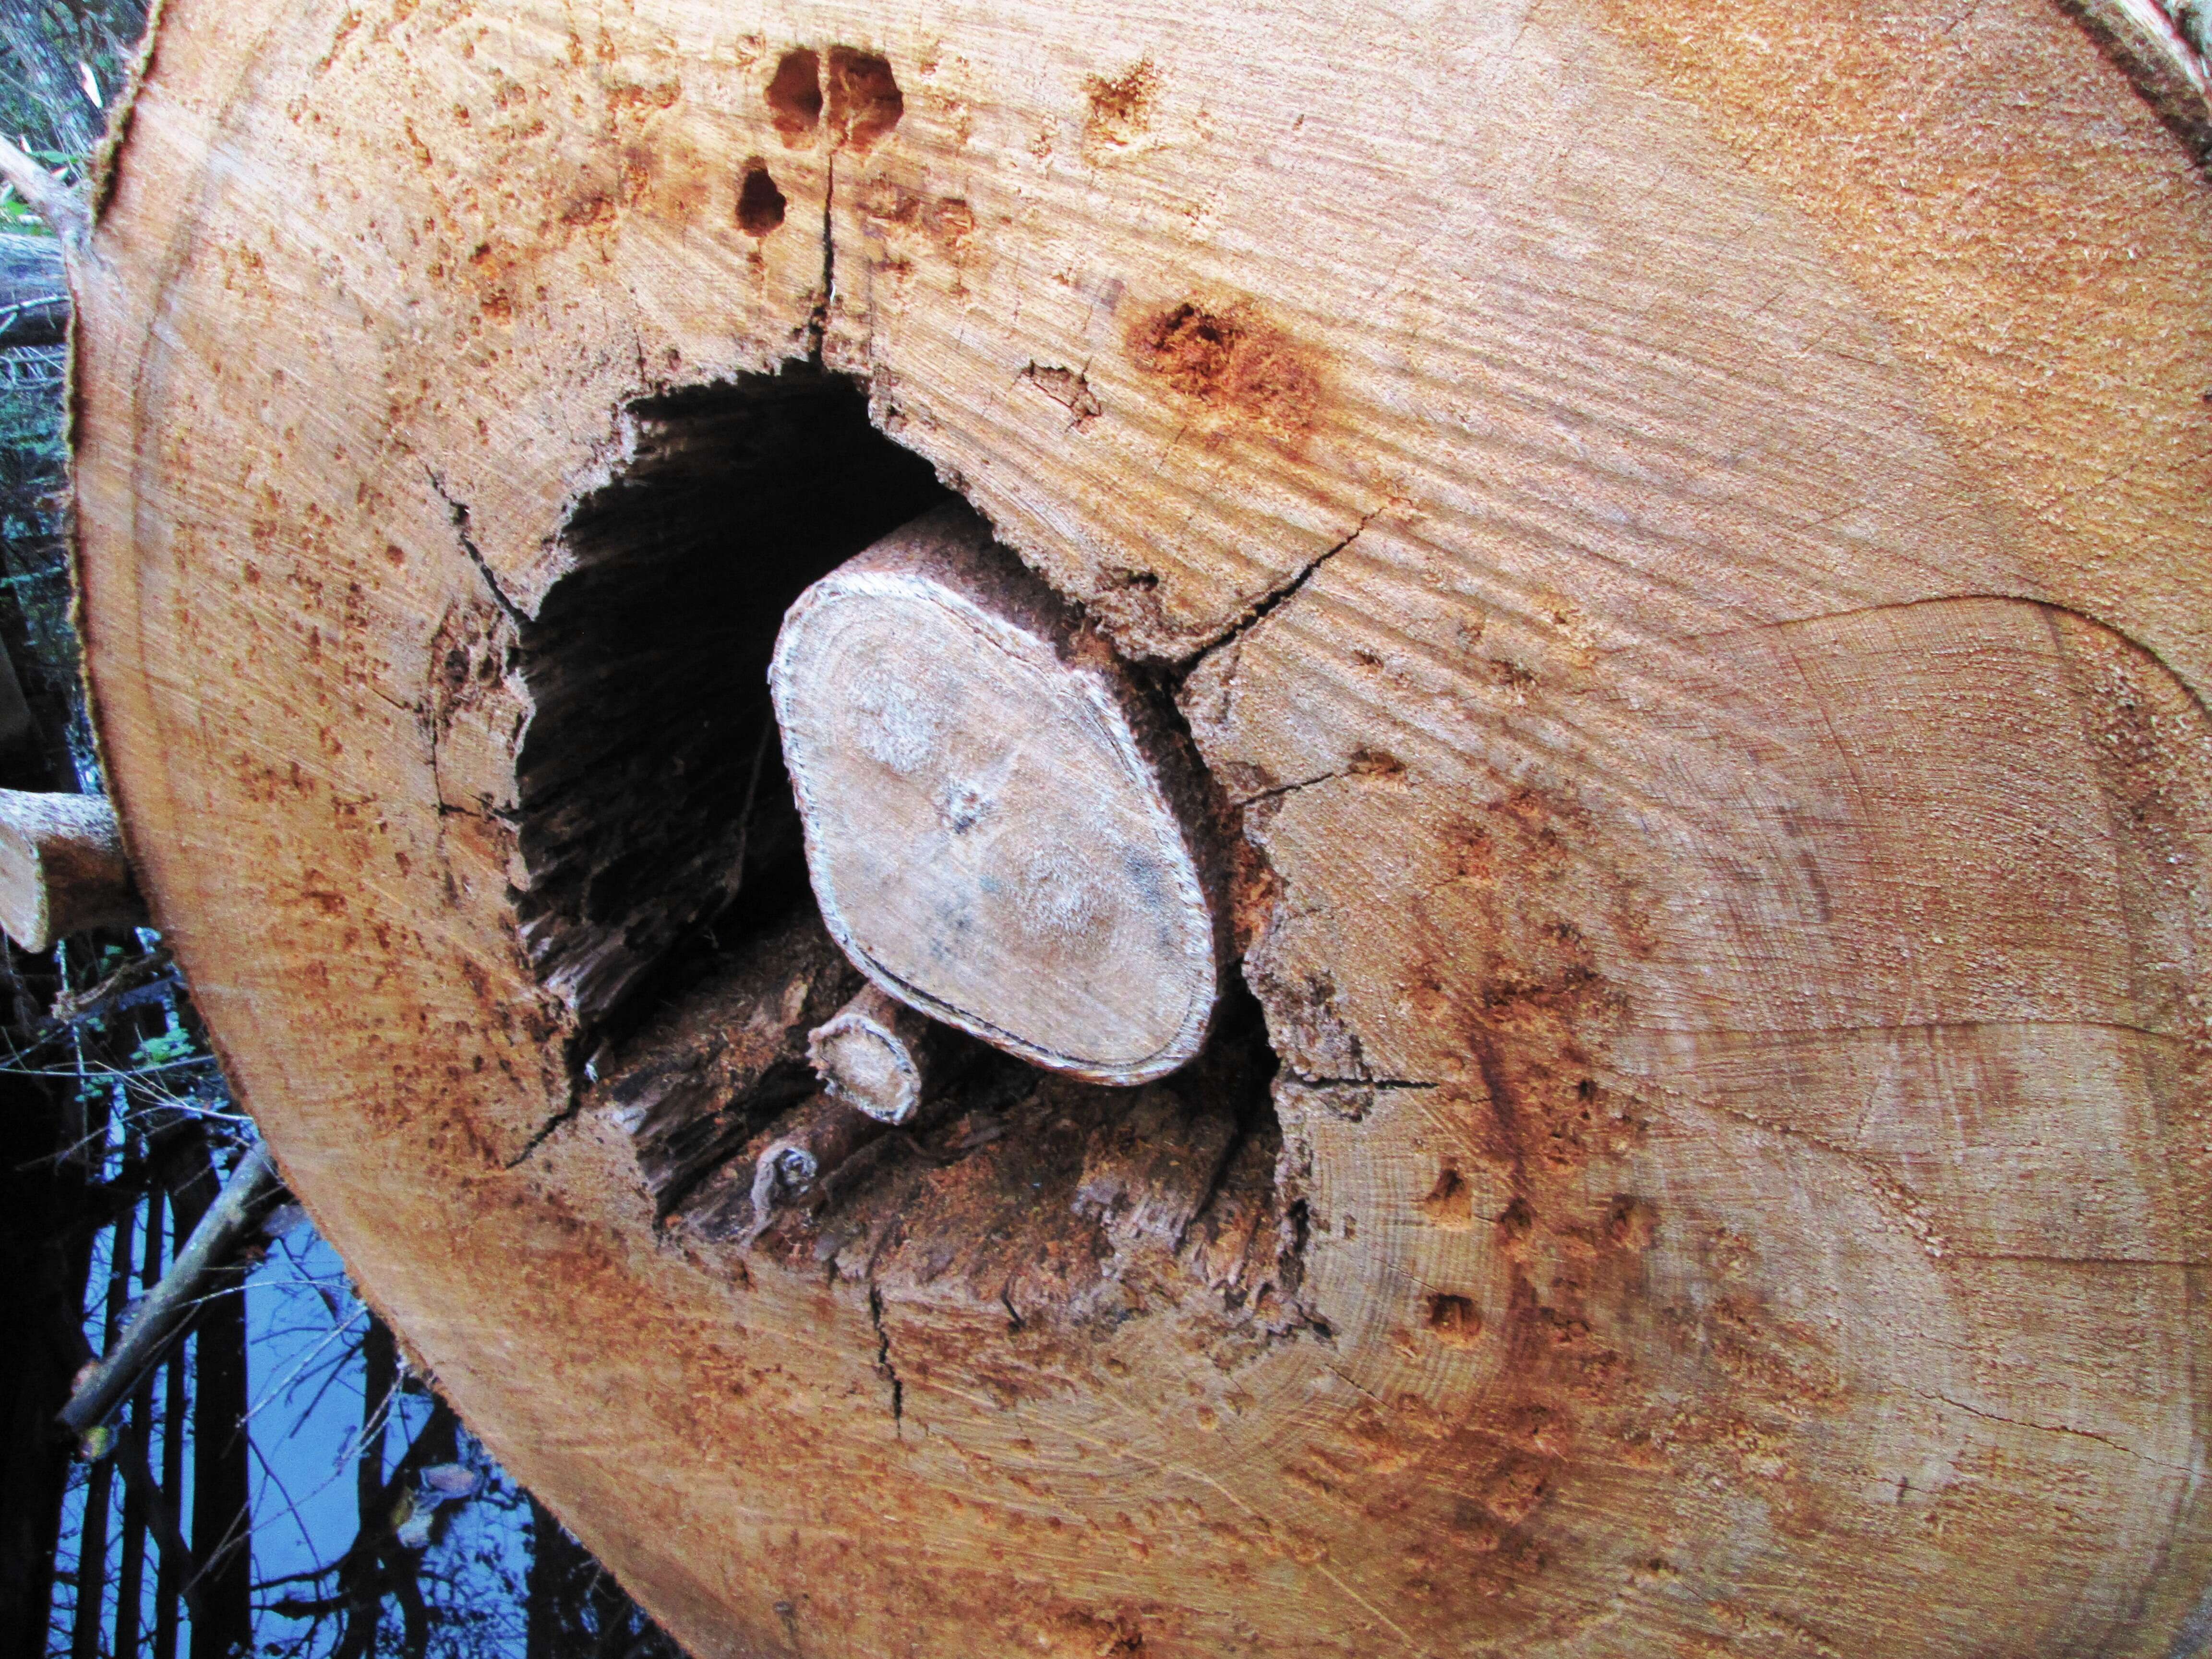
x,y
232,1222
875,1053
46,195
132,975
825,1134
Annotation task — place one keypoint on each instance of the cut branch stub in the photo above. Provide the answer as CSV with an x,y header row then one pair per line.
x,y
874,1053
1001,830
62,868
817,1141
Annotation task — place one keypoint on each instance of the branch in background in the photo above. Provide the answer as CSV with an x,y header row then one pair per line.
x,y
222,1519
385,1557
46,195
177,1566
209,1259
133,975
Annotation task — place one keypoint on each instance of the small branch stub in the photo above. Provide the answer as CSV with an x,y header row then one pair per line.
x,y
820,1136
1003,830
874,1053
62,868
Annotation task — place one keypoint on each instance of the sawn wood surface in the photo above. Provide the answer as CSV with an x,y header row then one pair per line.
x,y
1679,532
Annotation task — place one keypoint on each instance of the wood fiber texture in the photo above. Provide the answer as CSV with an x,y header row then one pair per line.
x,y
1680,530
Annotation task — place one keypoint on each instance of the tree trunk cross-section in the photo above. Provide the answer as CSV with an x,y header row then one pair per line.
x,y
1672,538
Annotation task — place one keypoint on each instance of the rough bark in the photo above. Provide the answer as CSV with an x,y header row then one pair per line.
x,y
34,293
1676,534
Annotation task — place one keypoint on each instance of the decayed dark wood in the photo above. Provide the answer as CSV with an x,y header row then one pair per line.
x,y
713,1071
648,789
876,1053
62,868
1002,829
1050,1197
810,1147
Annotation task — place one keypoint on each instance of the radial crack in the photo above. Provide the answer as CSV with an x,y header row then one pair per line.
x,y
545,1132
1382,1083
2121,1447
1255,612
818,323
884,1368
459,512
1292,788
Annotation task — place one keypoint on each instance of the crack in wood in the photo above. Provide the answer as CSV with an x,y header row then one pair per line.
x,y
1268,603
458,511
2121,1447
884,1367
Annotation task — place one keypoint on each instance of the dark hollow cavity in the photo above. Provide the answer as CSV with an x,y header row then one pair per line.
x,y
667,899
652,785
760,203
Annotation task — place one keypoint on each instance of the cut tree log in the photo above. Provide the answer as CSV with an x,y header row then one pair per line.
x,y
1676,531
875,1053
1001,832
62,868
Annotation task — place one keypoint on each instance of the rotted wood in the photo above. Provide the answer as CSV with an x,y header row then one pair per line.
x,y
1046,1193
62,868
810,1147
710,1075
1003,830
647,787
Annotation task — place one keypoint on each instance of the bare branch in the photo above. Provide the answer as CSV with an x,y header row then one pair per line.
x,y
61,207
230,1225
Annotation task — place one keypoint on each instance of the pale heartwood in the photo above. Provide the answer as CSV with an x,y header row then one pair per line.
x,y
1675,533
